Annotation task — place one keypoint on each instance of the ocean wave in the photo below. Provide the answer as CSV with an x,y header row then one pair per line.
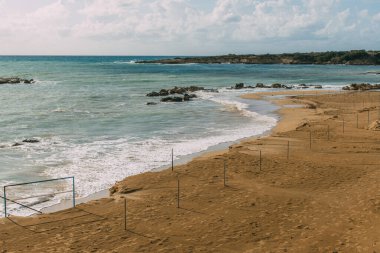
x,y
231,104
125,62
97,164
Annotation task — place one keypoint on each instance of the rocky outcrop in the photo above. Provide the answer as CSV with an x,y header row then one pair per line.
x,y
362,86
239,86
30,141
353,57
172,99
175,90
15,80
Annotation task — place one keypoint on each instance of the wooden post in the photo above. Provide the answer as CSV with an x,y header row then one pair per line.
x,y
224,178
125,214
177,192
288,150
172,160
5,201
328,132
368,116
310,139
260,160
357,120
73,192
343,124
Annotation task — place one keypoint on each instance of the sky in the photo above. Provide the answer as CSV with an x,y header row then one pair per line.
x,y
186,27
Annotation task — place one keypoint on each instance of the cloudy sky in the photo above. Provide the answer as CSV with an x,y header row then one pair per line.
x,y
186,27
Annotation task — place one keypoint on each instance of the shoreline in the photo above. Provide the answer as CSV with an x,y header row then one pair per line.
x,y
277,98
218,148
318,198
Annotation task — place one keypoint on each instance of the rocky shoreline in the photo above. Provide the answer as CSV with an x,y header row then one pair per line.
x,y
188,92
353,57
362,86
179,91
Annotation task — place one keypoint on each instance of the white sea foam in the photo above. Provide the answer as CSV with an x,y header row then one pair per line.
x,y
228,99
125,62
98,164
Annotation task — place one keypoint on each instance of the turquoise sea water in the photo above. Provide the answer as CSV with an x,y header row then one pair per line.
x,y
91,117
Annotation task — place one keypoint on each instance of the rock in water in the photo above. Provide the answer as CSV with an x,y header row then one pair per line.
x,y
153,94
31,141
163,92
171,99
276,86
14,80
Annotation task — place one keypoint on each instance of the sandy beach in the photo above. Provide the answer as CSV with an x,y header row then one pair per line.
x,y
315,189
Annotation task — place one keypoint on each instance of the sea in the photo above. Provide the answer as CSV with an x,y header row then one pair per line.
x,y
92,121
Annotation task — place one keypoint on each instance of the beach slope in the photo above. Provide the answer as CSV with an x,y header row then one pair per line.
x,y
312,185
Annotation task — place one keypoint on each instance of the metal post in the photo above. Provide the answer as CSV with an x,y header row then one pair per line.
x,y
73,192
172,160
5,202
288,149
177,192
125,213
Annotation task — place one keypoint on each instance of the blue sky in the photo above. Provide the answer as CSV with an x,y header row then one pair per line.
x,y
186,27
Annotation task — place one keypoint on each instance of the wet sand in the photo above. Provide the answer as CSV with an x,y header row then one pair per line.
x,y
319,195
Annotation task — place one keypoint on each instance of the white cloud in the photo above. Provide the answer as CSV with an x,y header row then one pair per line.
x,y
157,25
376,18
336,25
46,21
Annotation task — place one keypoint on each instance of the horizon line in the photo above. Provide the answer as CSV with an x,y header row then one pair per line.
x,y
170,55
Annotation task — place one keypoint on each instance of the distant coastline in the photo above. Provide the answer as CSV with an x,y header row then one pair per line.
x,y
353,57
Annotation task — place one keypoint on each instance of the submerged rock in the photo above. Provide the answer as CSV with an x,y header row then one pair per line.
x,y
151,103
30,141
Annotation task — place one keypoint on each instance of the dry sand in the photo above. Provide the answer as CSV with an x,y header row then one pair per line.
x,y
324,197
